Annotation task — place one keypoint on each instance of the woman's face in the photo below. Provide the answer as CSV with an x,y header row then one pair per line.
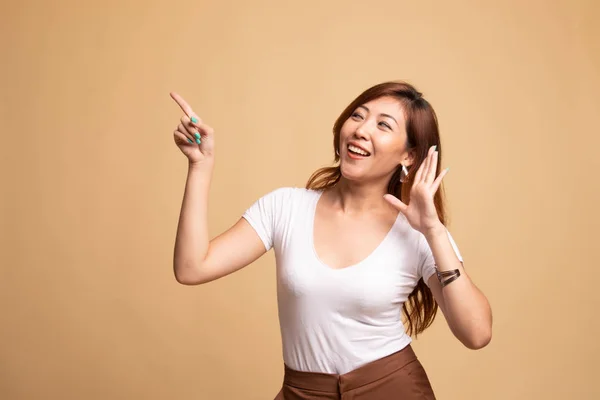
x,y
373,141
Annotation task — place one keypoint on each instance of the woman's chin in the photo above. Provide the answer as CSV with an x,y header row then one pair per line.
x,y
353,174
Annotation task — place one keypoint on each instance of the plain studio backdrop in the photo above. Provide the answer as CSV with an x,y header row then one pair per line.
x,y
92,184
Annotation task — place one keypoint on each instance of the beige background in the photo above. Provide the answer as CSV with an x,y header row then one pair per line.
x,y
92,184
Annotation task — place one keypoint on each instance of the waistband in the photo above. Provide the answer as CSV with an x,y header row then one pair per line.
x,y
334,383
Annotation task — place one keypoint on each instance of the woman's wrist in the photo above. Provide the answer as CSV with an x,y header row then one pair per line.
x,y
207,163
434,232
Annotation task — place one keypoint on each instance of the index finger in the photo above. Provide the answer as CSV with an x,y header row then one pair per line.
x,y
183,104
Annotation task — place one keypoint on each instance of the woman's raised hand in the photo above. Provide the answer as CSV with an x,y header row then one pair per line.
x,y
194,138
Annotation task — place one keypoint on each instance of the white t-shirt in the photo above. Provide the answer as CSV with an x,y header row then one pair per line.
x,y
336,320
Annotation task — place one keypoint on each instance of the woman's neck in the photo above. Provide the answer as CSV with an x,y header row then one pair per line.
x,y
350,198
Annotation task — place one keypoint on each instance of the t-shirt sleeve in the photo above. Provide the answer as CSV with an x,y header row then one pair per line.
x,y
427,263
263,215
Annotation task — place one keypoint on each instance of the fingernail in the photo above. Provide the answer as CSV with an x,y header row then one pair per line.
x,y
198,141
194,120
435,147
197,135
447,169
190,140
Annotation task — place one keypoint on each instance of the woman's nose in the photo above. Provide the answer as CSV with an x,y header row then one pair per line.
x,y
362,131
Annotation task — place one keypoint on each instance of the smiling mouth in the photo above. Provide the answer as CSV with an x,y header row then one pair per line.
x,y
358,151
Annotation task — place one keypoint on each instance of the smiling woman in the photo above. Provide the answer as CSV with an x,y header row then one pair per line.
x,y
399,126
360,247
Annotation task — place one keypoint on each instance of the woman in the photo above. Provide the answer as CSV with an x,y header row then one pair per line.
x,y
362,245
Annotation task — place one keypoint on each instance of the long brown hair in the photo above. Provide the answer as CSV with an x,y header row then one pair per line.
x,y
422,132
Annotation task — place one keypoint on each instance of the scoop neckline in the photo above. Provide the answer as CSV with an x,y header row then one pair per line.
x,y
312,217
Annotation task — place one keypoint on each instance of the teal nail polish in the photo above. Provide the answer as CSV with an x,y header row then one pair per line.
x,y
194,120
198,141
435,147
197,135
190,140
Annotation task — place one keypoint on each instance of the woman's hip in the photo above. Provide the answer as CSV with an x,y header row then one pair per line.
x,y
397,376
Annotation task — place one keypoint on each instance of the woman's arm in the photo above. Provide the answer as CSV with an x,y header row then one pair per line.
x,y
466,309
196,259
464,306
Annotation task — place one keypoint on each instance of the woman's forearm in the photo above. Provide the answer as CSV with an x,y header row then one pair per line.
x,y
466,308
192,240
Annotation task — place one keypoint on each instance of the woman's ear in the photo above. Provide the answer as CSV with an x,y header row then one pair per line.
x,y
409,158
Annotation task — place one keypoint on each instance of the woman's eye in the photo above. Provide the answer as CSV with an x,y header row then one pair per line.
x,y
386,125
356,115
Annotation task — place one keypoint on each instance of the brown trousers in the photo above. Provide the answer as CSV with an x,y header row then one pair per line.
x,y
399,376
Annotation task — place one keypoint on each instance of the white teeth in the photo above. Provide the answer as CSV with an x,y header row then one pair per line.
x,y
357,150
